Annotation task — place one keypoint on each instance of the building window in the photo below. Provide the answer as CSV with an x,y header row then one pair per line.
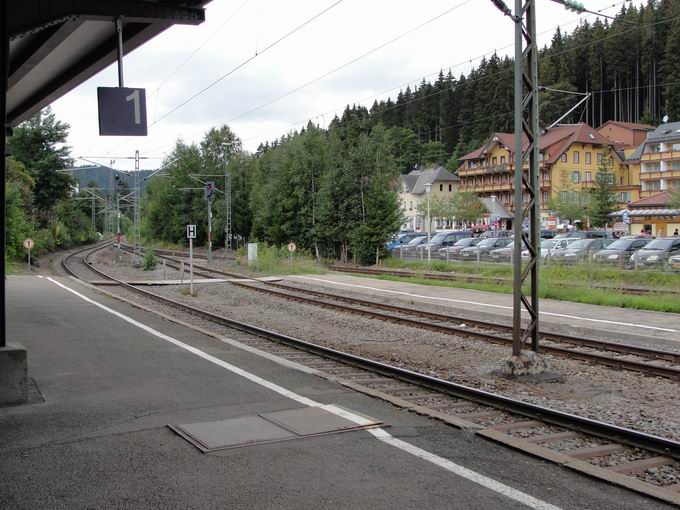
x,y
441,187
600,158
610,162
502,160
494,160
575,176
589,177
450,187
621,181
545,176
563,157
564,195
625,196
410,206
546,197
588,160
576,157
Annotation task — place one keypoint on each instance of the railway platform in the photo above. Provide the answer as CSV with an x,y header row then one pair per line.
x,y
640,327
109,379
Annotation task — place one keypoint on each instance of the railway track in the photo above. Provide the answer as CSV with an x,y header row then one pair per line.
x,y
623,456
468,278
618,455
652,362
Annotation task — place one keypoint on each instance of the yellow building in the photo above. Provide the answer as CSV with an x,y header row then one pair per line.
x,y
570,156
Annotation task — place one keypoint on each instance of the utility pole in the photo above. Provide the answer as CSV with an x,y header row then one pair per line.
x,y
137,213
227,208
526,187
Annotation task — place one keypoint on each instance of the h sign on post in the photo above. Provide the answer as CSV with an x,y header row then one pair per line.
x,y
122,111
191,231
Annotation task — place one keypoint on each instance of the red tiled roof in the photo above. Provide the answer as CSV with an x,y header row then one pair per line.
x,y
661,198
629,125
561,137
475,154
572,133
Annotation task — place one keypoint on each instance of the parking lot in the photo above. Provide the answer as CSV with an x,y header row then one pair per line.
x,y
576,248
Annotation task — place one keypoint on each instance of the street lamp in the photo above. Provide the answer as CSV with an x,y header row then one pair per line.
x,y
428,190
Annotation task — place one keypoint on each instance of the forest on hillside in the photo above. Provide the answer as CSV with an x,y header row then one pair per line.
x,y
333,191
630,65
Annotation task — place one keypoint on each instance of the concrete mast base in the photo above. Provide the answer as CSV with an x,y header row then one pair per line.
x,y
13,374
528,363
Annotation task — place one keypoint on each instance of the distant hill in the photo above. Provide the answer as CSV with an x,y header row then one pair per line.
x,y
102,176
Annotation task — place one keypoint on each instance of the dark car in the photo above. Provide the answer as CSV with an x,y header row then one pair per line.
x,y
442,240
458,245
484,247
503,254
581,250
657,252
402,238
410,247
618,253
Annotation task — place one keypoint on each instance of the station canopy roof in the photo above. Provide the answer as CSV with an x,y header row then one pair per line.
x,y
56,45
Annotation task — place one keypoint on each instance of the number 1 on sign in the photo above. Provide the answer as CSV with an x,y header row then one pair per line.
x,y
134,97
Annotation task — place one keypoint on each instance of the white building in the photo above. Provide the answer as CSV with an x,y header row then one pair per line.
x,y
412,191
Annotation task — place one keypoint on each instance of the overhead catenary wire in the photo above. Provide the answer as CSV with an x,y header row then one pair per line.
x,y
236,68
324,75
248,60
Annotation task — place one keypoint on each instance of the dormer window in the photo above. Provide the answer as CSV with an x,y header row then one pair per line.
x,y
563,157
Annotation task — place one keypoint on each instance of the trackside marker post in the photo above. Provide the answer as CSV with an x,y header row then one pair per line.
x,y
28,244
191,235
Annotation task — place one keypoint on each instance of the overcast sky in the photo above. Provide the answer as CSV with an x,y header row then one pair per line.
x,y
236,30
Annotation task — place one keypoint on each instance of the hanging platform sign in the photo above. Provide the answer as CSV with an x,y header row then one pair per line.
x,y
122,111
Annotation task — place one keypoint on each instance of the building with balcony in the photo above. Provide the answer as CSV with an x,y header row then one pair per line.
x,y
570,156
659,160
413,192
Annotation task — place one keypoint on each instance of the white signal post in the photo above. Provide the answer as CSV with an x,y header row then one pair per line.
x,y
191,235
291,249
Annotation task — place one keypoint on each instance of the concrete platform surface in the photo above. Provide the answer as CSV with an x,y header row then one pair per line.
x,y
113,377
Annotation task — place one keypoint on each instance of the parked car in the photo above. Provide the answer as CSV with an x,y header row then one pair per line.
x,y
402,238
410,247
619,252
548,234
549,247
454,250
483,248
581,250
657,252
496,233
502,254
586,234
442,240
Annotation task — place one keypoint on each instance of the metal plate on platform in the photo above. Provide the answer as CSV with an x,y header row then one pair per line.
x,y
310,421
231,433
267,428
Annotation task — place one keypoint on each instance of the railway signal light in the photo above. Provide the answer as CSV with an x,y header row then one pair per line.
x,y
210,190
